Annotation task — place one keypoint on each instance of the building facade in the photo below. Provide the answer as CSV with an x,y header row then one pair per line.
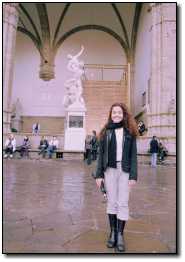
x,y
129,56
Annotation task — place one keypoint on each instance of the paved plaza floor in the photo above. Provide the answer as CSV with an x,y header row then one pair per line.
x,y
54,206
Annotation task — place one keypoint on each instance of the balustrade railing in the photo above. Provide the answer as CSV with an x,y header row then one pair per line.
x,y
102,72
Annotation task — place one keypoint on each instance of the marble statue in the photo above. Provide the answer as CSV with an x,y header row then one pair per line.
x,y
16,109
73,85
16,115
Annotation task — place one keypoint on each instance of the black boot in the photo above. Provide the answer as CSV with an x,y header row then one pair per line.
x,y
113,234
120,238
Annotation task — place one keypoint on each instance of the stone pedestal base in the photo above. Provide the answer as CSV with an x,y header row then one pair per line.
x,y
75,128
162,124
16,124
74,139
73,155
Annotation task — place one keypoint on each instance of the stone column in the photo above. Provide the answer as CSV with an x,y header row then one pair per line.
x,y
132,72
162,109
129,85
10,20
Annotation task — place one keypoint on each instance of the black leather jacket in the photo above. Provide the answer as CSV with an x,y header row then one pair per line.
x,y
129,161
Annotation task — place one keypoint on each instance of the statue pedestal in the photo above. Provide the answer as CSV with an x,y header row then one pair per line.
x,y
75,133
16,124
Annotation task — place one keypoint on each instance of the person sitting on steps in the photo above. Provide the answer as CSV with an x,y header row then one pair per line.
x,y
10,146
53,145
43,146
24,148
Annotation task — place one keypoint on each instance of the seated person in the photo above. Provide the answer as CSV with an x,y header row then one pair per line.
x,y
35,128
23,149
162,152
10,146
43,146
141,128
53,145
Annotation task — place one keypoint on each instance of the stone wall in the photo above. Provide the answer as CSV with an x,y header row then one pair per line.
x,y
99,96
143,144
52,125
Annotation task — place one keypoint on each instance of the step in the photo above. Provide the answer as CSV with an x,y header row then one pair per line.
x,y
35,139
57,154
146,160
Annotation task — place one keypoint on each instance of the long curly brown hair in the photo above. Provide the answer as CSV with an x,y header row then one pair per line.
x,y
128,120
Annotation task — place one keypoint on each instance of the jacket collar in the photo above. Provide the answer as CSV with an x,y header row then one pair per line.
x,y
126,131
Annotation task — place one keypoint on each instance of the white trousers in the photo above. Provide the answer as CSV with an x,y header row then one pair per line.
x,y
116,184
154,159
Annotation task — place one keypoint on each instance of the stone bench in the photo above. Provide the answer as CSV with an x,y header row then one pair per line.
x,y
57,154
60,153
35,139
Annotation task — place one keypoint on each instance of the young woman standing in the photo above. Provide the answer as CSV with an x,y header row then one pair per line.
x,y
117,168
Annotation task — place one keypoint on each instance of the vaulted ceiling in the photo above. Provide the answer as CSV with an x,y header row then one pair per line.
x,y
49,24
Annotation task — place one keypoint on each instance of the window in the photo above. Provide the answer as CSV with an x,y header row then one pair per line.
x,y
76,121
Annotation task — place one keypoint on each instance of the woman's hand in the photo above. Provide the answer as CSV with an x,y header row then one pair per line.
x,y
131,182
98,181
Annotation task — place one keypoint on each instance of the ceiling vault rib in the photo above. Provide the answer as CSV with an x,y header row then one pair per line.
x,y
48,47
33,38
44,21
121,22
92,27
31,21
60,22
135,25
21,21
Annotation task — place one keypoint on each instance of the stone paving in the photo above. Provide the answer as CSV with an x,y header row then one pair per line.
x,y
54,206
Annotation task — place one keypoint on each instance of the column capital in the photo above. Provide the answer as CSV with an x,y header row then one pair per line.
x,y
11,4
163,11
10,8
154,4
10,14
